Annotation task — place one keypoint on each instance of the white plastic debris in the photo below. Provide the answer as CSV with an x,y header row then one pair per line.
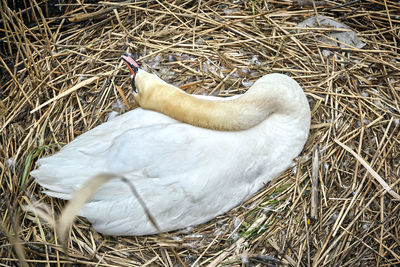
x,y
118,105
230,11
326,166
326,53
10,163
246,83
236,222
171,58
112,115
347,37
255,60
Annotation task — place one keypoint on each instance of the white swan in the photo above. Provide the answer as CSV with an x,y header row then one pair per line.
x,y
190,158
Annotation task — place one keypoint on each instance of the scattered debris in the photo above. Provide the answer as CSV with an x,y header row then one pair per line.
x,y
338,37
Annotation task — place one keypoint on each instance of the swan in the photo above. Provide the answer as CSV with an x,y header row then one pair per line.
x,y
189,157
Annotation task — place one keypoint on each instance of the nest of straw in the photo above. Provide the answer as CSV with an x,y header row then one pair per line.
x,y
61,75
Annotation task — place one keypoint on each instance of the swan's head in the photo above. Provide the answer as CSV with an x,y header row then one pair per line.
x,y
145,85
133,68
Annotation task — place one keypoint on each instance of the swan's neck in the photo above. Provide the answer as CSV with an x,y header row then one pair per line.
x,y
241,113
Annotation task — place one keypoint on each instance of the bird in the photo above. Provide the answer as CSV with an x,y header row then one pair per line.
x,y
189,157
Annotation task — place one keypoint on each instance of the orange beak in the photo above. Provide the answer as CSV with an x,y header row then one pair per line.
x,y
133,68
130,63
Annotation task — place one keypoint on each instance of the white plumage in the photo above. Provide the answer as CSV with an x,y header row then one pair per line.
x,y
185,174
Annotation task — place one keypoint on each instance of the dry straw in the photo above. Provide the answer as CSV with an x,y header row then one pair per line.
x,y
61,76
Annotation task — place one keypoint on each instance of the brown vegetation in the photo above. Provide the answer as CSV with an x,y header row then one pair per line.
x,y
62,76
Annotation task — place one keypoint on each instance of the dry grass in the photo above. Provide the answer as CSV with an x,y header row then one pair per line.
x,y
209,47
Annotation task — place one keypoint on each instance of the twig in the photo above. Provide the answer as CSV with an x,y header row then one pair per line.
x,y
314,193
370,170
72,89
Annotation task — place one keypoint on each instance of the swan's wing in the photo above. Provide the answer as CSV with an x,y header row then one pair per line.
x,y
154,151
66,170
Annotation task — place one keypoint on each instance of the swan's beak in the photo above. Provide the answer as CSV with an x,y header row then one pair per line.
x,y
133,68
